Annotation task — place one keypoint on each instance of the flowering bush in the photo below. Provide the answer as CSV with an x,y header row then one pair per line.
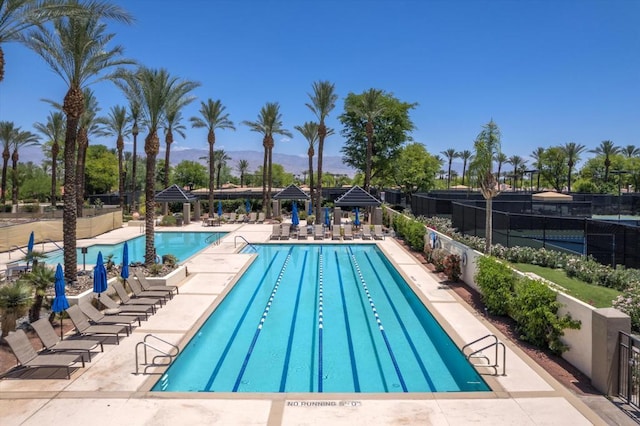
x,y
629,303
452,267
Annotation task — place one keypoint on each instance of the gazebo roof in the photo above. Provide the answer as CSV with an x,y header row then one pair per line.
x,y
357,197
551,196
174,194
291,192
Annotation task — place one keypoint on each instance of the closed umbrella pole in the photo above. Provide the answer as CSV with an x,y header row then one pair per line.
x,y
219,208
99,276
60,302
124,272
295,220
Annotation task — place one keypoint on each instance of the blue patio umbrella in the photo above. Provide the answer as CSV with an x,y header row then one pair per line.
x,y
219,208
60,302
124,273
99,276
356,221
326,216
31,243
310,212
247,206
295,220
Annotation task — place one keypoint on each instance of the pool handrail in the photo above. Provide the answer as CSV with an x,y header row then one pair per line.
x,y
478,353
245,240
164,354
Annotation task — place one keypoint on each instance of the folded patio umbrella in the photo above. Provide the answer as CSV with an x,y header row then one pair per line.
x,y
60,302
219,208
31,243
326,216
124,272
99,276
356,221
295,220
247,206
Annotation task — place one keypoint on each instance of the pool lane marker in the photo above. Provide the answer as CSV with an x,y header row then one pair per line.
x,y
320,317
372,304
265,313
345,313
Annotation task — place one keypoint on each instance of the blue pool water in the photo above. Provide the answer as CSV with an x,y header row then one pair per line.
x,y
183,245
320,318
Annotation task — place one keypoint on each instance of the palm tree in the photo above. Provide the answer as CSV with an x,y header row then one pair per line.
x,y
213,117
269,123
243,167
449,154
53,130
487,146
8,132
40,278
606,149
220,159
116,123
369,110
500,158
76,49
323,101
134,117
22,139
154,89
173,123
87,127
309,130
517,162
465,155
15,300
538,157
630,151
573,151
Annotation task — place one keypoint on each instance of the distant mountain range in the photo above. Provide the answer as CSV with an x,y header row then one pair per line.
x,y
295,164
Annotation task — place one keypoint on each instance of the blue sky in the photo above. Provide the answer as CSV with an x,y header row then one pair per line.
x,y
548,72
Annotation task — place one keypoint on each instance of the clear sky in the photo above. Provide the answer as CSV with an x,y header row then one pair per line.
x,y
548,71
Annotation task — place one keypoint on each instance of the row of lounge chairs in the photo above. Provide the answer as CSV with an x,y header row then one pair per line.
x,y
283,232
93,327
253,217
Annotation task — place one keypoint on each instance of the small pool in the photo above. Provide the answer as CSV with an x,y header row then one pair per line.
x,y
183,245
321,318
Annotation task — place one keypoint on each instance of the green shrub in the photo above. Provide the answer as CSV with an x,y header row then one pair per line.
x,y
534,308
168,221
452,267
629,303
496,281
169,259
437,258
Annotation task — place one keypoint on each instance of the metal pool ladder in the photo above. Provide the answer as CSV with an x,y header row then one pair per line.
x,y
216,241
165,356
245,240
478,355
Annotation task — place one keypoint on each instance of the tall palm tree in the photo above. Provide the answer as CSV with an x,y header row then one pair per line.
x,y
134,117
465,155
538,158
630,151
87,127
116,123
154,89
8,133
369,110
212,117
606,149
487,146
269,123
309,130
500,158
449,154
77,50
517,162
243,168
173,123
573,151
323,101
23,139
53,130
220,160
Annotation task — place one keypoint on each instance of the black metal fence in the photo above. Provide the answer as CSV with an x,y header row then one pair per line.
x,y
629,369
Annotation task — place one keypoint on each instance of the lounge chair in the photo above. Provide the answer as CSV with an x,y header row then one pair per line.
x,y
253,217
318,232
348,232
335,233
366,232
241,218
139,310
261,217
83,327
98,318
147,286
205,219
285,233
302,233
138,291
28,357
144,301
377,232
232,217
276,231
53,343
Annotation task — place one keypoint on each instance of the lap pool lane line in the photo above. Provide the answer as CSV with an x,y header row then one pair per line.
x,y
265,313
220,362
320,316
372,304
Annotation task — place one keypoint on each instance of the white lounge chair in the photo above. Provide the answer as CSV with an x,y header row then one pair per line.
x,y
348,232
260,217
302,233
286,232
366,232
318,232
377,232
335,233
276,232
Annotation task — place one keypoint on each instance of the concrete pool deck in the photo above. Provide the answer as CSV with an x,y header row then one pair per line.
x,y
107,391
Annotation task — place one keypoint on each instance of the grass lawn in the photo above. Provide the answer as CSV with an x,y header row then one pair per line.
x,y
598,296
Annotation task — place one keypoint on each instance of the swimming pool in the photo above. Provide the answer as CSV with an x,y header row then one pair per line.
x,y
320,318
182,245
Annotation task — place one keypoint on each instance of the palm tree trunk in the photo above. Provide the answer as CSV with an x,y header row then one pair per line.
x,y
120,144
83,143
14,181
488,226
211,175
151,148
55,148
264,181
322,133
134,197
5,164
367,173
311,193
270,183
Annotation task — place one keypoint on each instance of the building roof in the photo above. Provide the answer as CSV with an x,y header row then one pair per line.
x,y
174,194
291,192
358,197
